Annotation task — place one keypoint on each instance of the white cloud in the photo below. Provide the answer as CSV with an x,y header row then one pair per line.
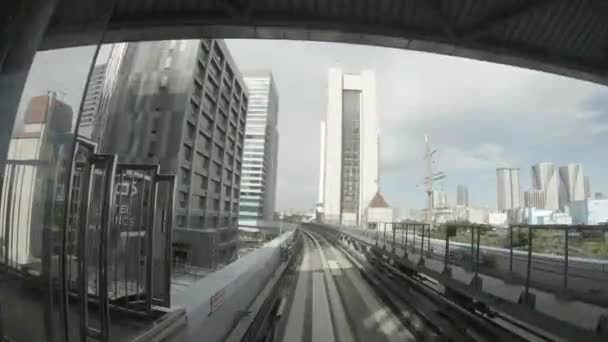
x,y
485,156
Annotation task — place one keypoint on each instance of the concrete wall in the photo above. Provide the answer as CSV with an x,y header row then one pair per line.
x,y
240,283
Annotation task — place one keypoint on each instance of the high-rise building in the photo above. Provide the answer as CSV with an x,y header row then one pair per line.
x,y
439,199
462,195
572,185
260,155
44,138
587,187
183,105
545,177
534,199
89,120
507,190
349,180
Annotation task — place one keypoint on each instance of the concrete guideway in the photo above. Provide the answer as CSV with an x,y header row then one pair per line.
x,y
558,317
331,302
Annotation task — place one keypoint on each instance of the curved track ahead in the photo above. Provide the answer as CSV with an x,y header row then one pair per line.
x,y
343,294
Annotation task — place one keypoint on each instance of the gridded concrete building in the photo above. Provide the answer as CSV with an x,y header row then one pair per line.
x,y
507,190
349,178
183,105
260,156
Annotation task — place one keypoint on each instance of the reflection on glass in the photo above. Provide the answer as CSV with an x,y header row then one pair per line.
x,y
32,205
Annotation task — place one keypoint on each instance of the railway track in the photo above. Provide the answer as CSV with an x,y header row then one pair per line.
x,y
424,310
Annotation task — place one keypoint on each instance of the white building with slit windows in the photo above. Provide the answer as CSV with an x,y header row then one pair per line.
x,y
348,177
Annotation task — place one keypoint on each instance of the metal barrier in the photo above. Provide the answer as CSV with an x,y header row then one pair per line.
x,y
118,237
518,254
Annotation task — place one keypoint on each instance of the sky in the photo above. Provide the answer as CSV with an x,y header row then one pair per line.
x,y
478,115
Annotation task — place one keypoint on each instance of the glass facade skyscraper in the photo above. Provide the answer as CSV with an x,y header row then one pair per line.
x,y
260,156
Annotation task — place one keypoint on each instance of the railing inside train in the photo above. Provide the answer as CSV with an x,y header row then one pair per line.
x,y
91,210
118,251
163,245
141,238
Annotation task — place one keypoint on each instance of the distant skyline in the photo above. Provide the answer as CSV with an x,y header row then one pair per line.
x,y
480,115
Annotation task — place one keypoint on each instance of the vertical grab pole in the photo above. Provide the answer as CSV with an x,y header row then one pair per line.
x,y
107,211
150,237
83,278
168,237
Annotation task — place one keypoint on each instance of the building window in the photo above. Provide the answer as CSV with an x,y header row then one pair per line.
x,y
206,123
190,130
219,153
218,54
155,125
181,221
206,142
204,183
227,206
216,204
214,70
217,187
205,163
215,221
187,153
185,173
183,199
202,201
227,191
221,136
228,175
